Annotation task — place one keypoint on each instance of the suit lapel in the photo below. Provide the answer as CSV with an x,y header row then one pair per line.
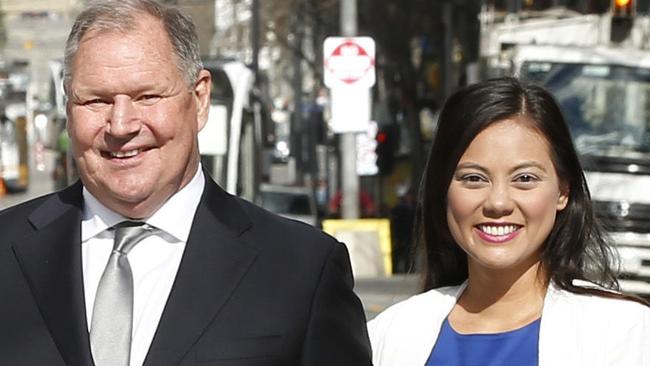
x,y
214,262
50,258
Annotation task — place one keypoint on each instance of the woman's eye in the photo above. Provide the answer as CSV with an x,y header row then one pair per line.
x,y
526,178
472,178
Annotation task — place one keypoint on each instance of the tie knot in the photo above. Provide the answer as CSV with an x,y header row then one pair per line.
x,y
129,233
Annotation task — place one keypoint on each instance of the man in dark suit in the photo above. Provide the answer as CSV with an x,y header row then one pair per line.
x,y
210,279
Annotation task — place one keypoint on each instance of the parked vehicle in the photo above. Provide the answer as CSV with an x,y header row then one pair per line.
x,y
293,202
14,144
235,138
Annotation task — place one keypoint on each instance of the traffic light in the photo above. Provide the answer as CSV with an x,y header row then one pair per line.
x,y
622,19
386,145
623,8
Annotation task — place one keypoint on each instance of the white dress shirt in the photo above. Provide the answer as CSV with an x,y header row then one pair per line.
x,y
154,261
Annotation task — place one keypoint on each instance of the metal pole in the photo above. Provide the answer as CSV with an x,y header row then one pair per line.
x,y
256,149
349,177
297,122
349,18
255,36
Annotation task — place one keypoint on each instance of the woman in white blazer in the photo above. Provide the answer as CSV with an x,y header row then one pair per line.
x,y
516,266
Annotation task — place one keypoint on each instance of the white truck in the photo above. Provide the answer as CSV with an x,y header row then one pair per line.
x,y
598,68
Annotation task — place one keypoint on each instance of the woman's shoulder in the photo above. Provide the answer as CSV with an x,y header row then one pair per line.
x,y
410,327
595,326
604,303
439,299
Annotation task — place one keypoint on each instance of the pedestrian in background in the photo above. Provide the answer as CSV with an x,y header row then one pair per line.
x,y
402,218
366,204
517,267
146,260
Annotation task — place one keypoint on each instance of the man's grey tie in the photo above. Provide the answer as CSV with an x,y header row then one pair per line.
x,y
112,322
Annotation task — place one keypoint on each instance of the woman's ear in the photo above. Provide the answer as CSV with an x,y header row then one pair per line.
x,y
563,199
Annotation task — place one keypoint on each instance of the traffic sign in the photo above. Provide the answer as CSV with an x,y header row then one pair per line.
x,y
366,156
349,62
350,109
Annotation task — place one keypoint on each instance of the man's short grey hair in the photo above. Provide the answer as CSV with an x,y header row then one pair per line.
x,y
123,16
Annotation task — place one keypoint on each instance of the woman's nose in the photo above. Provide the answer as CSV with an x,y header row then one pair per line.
x,y
498,202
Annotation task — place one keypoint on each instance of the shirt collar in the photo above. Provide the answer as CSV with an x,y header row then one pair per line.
x,y
174,217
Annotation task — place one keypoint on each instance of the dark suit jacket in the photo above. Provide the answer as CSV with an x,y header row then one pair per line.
x,y
252,289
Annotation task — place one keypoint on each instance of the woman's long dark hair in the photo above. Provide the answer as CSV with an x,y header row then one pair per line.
x,y
576,248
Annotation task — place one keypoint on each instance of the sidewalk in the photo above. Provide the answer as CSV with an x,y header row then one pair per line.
x,y
379,293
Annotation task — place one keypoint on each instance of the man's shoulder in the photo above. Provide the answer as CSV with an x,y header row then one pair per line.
x,y
286,243
15,220
274,225
265,230
40,211
22,210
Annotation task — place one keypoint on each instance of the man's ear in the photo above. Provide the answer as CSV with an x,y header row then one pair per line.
x,y
201,92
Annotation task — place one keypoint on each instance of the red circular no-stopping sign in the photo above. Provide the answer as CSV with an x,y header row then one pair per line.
x,y
349,61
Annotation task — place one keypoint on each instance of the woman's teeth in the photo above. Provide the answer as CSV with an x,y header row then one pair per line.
x,y
498,230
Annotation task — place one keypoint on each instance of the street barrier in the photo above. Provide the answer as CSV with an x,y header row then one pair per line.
x,y
369,244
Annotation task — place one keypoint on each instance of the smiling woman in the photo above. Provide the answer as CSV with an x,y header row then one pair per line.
x,y
516,265
503,198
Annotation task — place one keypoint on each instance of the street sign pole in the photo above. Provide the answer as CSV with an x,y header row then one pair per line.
x,y
349,177
349,73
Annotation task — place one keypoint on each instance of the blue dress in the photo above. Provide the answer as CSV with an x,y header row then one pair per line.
x,y
516,347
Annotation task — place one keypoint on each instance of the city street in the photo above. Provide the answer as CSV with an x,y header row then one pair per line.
x,y
40,182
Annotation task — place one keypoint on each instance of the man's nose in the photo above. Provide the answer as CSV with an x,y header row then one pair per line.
x,y
123,119
499,201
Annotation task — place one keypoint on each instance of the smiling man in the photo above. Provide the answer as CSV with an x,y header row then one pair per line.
x,y
145,260
134,117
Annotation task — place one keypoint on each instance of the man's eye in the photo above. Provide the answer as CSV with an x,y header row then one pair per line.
x,y
149,98
95,102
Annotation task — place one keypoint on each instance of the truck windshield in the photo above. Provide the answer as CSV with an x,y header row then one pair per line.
x,y
607,107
